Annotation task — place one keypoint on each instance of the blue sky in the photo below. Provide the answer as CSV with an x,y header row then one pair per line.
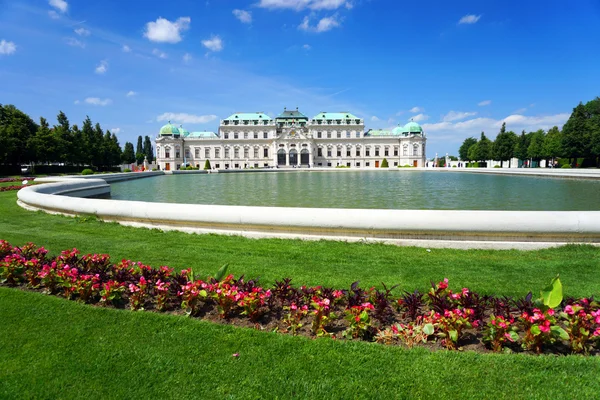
x,y
456,67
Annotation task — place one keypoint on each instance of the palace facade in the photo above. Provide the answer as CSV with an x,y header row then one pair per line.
x,y
246,140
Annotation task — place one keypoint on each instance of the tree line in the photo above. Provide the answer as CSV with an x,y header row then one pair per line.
x,y
23,141
579,138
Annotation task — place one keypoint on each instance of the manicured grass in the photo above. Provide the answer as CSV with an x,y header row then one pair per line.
x,y
328,263
53,348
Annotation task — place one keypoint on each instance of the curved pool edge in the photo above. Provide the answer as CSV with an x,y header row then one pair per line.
x,y
462,229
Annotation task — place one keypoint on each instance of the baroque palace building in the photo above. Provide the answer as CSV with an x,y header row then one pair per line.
x,y
255,140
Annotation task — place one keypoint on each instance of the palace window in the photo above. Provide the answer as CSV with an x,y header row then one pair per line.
x,y
339,135
255,152
235,135
217,152
197,152
347,152
207,152
167,153
376,152
245,135
329,164
236,153
246,152
328,152
319,135
348,134
358,164
177,152
395,150
415,149
357,152
226,135
339,152
319,152
386,152
328,135
368,152
347,164
357,134
255,135
266,153
265,135
226,153
395,163
187,153
367,164
405,150
217,166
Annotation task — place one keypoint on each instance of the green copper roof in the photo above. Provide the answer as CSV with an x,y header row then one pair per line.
x,y
379,132
398,130
335,115
203,134
412,127
169,129
292,114
248,116
184,132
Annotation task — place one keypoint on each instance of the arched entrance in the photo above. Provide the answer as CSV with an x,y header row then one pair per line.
x,y
304,157
293,157
281,157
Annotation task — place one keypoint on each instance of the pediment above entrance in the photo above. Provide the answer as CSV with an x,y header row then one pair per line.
x,y
293,134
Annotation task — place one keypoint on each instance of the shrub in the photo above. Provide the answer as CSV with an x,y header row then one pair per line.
x,y
154,169
566,166
497,166
384,163
207,164
126,170
87,171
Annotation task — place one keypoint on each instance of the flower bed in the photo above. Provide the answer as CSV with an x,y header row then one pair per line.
x,y
440,318
4,180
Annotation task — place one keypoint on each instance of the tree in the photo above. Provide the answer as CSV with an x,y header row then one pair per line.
x,y
521,146
576,134
63,138
128,156
207,164
463,151
484,148
473,152
43,144
87,132
115,150
139,151
384,163
553,144
503,148
148,150
16,128
98,155
535,151
77,154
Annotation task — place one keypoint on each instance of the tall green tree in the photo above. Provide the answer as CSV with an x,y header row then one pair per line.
x,y
128,156
43,144
148,150
504,145
553,144
139,151
484,148
98,155
463,151
535,151
577,134
473,152
89,140
115,150
522,146
77,154
16,128
63,138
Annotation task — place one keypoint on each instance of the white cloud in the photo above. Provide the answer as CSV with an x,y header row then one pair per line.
x,y
82,32
415,110
186,118
419,117
75,43
306,47
98,101
299,5
469,19
166,31
159,53
214,43
131,93
457,115
374,118
244,16
102,67
53,14
7,48
60,5
484,103
325,24
115,130
520,110
126,49
187,57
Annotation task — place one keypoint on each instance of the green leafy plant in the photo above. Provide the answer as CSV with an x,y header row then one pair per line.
x,y
498,331
87,171
582,325
293,318
411,334
384,163
207,164
359,321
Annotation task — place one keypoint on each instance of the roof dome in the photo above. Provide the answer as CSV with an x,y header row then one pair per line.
x,y
397,130
169,129
412,127
184,132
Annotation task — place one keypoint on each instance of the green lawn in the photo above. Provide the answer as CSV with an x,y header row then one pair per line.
x,y
53,348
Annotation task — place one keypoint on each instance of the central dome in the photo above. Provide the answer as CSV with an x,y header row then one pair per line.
x,y
169,130
412,127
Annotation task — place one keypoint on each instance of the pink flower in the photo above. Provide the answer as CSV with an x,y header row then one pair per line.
x,y
544,328
235,355
133,288
293,307
508,337
569,310
550,312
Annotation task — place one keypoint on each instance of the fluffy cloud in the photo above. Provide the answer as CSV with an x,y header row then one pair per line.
x,y
186,118
126,49
244,16
131,93
484,103
306,47
325,24
82,32
75,43
7,48
187,57
166,31
416,110
419,117
469,19
299,5
96,101
60,5
213,44
102,67
457,115
115,130
53,14
159,53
